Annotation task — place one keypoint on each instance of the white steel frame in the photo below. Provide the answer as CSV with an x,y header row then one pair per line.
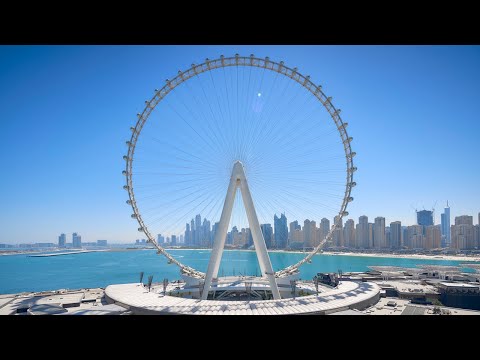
x,y
238,180
238,60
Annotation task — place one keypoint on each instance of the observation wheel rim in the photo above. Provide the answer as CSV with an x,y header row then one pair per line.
x,y
223,62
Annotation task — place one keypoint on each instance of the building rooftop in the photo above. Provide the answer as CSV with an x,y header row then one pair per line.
x,y
405,307
408,286
459,285
346,295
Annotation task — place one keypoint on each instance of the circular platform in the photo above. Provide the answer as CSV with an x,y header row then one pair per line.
x,y
347,295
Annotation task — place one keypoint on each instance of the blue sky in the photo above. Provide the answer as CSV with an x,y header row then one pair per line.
x,y
413,112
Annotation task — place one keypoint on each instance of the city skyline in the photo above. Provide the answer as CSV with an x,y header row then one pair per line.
x,y
200,233
410,80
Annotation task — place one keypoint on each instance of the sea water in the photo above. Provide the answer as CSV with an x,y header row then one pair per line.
x,y
20,273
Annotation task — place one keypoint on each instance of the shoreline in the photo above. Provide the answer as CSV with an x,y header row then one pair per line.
x,y
378,255
329,253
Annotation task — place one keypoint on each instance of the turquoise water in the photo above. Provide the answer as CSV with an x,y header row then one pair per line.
x,y
98,269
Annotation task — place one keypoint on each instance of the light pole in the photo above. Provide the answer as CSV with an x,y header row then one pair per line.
x,y
165,283
293,285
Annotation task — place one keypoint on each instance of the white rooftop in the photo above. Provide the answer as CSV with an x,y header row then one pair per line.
x,y
347,295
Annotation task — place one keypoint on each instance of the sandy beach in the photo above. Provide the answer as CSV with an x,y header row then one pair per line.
x,y
329,253
380,255
410,256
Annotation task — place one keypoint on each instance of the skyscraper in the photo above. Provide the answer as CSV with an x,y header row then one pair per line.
x,y
395,234
174,240
477,235
198,230
432,237
338,232
379,233
309,233
187,234
361,235
280,231
160,239
76,240
192,233
214,230
464,220
445,222
415,238
463,233
206,233
425,217
371,235
235,236
324,228
62,241
267,232
349,233
249,237
293,226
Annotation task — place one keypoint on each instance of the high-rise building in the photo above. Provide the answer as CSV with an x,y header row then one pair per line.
x,y
379,233
160,239
249,237
192,233
198,230
187,234
463,233
433,237
76,241
324,228
445,222
464,220
477,235
404,236
293,226
361,234
174,240
206,233
297,239
235,238
62,241
425,217
387,237
349,233
214,231
280,231
182,239
415,237
267,232
309,233
337,238
371,235
395,235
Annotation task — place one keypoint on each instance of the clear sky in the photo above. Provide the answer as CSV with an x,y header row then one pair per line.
x,y
413,112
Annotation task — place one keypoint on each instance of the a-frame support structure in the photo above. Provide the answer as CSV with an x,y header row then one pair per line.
x,y
239,181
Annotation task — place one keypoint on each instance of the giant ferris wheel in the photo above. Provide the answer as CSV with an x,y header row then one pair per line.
x,y
221,122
